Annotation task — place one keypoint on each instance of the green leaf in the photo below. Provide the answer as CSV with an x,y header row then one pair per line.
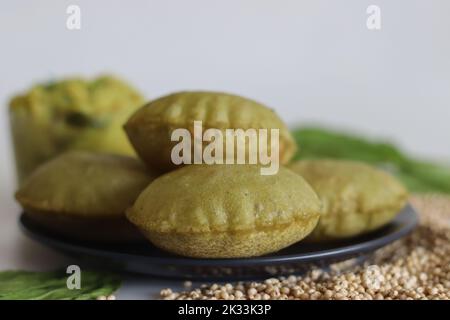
x,y
26,285
417,175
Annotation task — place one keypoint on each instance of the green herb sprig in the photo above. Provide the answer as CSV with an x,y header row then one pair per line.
x,y
417,175
27,285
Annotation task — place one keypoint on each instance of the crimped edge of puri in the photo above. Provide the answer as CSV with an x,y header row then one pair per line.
x,y
132,217
389,212
44,207
155,124
235,244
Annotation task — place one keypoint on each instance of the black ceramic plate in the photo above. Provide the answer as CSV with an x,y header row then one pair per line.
x,y
146,259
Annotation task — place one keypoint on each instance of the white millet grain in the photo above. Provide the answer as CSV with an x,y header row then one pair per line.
x,y
110,297
416,267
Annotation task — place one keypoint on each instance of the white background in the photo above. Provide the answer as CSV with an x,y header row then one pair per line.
x,y
312,61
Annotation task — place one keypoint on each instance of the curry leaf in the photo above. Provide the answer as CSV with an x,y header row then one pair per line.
x,y
26,285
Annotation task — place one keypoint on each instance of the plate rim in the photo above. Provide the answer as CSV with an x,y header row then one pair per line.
x,y
408,214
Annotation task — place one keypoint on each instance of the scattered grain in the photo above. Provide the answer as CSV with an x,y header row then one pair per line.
x,y
416,267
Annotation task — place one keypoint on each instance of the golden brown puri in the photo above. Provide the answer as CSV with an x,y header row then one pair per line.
x,y
150,128
225,211
357,198
84,195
